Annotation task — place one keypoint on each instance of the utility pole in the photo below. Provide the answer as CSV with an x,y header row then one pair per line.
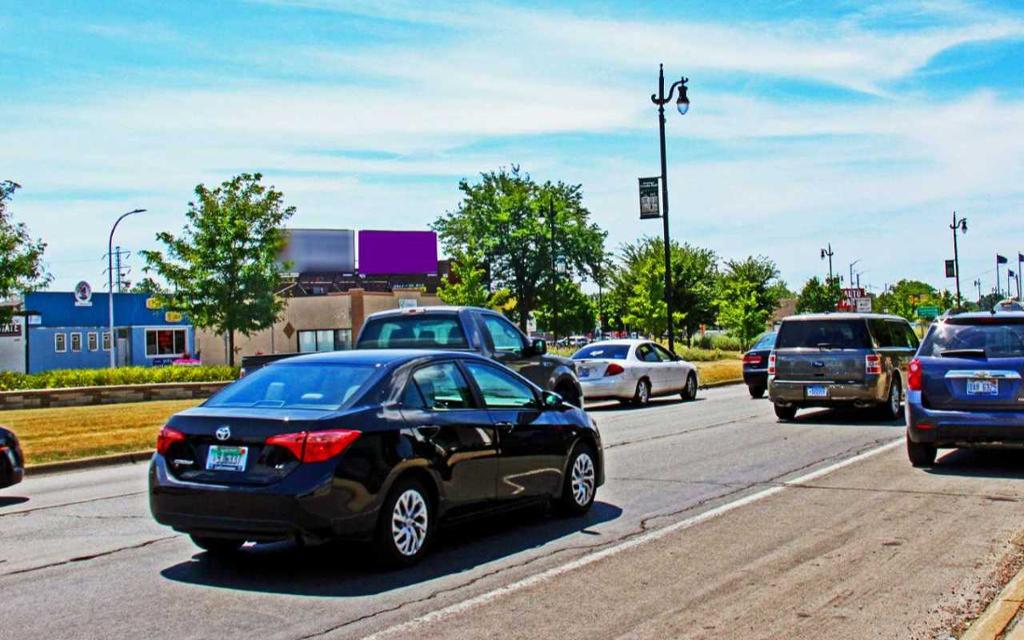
x,y
960,225
554,273
977,283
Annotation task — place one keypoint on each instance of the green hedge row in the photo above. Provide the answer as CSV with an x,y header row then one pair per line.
x,y
63,378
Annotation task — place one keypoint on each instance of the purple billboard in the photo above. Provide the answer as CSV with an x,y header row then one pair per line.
x,y
397,252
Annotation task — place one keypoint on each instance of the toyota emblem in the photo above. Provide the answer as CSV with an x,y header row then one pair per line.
x,y
223,433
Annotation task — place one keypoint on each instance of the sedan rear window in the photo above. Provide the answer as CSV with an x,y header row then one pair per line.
x,y
1000,339
413,332
603,351
296,386
823,334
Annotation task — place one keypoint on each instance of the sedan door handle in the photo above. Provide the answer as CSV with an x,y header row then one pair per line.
x,y
505,427
428,431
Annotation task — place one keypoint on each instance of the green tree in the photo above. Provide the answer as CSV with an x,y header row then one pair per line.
x,y
740,311
147,285
694,276
818,296
514,224
577,312
749,291
904,298
223,269
21,258
465,285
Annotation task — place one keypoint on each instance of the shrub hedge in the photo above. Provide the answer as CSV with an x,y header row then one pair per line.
x,y
63,378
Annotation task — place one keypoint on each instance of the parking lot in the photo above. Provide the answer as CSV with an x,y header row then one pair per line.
x,y
699,513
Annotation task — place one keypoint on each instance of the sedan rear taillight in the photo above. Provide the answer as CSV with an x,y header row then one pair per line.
x,y
315,446
914,375
613,369
771,364
873,364
166,438
752,358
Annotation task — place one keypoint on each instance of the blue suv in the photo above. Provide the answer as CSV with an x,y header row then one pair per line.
x,y
964,386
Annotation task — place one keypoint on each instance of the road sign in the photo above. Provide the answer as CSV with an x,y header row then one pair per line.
x,y
649,194
950,269
863,305
928,313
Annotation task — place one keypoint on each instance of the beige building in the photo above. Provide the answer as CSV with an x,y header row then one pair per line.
x,y
314,323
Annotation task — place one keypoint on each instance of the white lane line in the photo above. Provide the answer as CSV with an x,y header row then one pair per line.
x,y
651,536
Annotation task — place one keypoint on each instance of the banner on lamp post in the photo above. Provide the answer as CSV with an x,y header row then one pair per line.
x,y
650,206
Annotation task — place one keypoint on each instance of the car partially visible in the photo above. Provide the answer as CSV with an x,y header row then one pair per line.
x,y
965,385
755,364
12,460
633,371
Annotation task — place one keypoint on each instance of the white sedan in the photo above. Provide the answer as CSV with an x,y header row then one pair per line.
x,y
633,371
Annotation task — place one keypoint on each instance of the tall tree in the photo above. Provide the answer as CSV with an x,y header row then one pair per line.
x,y
749,291
818,296
21,258
740,312
904,298
464,286
223,269
639,285
577,312
517,226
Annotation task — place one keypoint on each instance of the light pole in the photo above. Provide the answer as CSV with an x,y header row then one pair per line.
x,y
961,226
977,283
554,279
828,253
110,284
852,265
682,105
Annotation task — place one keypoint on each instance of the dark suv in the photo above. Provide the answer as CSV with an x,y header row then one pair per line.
x,y
840,359
473,329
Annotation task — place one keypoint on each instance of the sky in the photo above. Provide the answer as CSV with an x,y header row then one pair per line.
x,y
861,124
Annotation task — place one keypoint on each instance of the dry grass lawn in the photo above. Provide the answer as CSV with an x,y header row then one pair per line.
x,y
51,435
719,371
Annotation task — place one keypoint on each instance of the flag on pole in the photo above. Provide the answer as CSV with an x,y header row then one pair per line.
x,y
1001,259
1012,274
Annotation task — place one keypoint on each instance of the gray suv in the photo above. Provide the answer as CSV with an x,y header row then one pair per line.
x,y
840,359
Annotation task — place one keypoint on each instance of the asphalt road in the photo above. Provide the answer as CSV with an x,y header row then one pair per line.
x,y
716,521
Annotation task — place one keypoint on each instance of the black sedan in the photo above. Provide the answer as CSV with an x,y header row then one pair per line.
x,y
12,462
372,445
755,364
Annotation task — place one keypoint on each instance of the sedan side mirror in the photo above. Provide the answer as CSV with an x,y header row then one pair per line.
x,y
552,400
539,347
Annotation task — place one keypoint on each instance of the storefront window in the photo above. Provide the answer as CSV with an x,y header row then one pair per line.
x,y
106,341
60,342
76,342
325,340
165,342
93,341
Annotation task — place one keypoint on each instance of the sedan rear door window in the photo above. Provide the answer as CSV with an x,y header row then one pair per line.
x,y
443,386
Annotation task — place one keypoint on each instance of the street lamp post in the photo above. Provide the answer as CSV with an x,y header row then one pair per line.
x,y
682,105
554,279
961,226
110,284
828,253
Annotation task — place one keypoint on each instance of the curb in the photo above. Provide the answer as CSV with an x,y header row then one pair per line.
x,y
88,463
722,383
1000,614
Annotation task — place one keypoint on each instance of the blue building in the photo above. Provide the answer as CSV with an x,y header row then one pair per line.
x,y
69,330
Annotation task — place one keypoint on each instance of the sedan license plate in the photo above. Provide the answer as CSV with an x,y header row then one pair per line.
x,y
982,387
220,458
584,372
817,391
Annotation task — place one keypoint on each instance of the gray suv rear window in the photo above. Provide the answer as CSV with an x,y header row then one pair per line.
x,y
823,334
413,332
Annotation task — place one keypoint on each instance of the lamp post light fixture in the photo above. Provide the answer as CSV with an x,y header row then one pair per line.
x,y
110,284
957,226
682,106
828,254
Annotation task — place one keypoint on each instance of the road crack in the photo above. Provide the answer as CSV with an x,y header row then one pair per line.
x,y
85,558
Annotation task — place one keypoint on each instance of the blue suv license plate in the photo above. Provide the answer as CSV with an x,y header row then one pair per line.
x,y
982,387
817,391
